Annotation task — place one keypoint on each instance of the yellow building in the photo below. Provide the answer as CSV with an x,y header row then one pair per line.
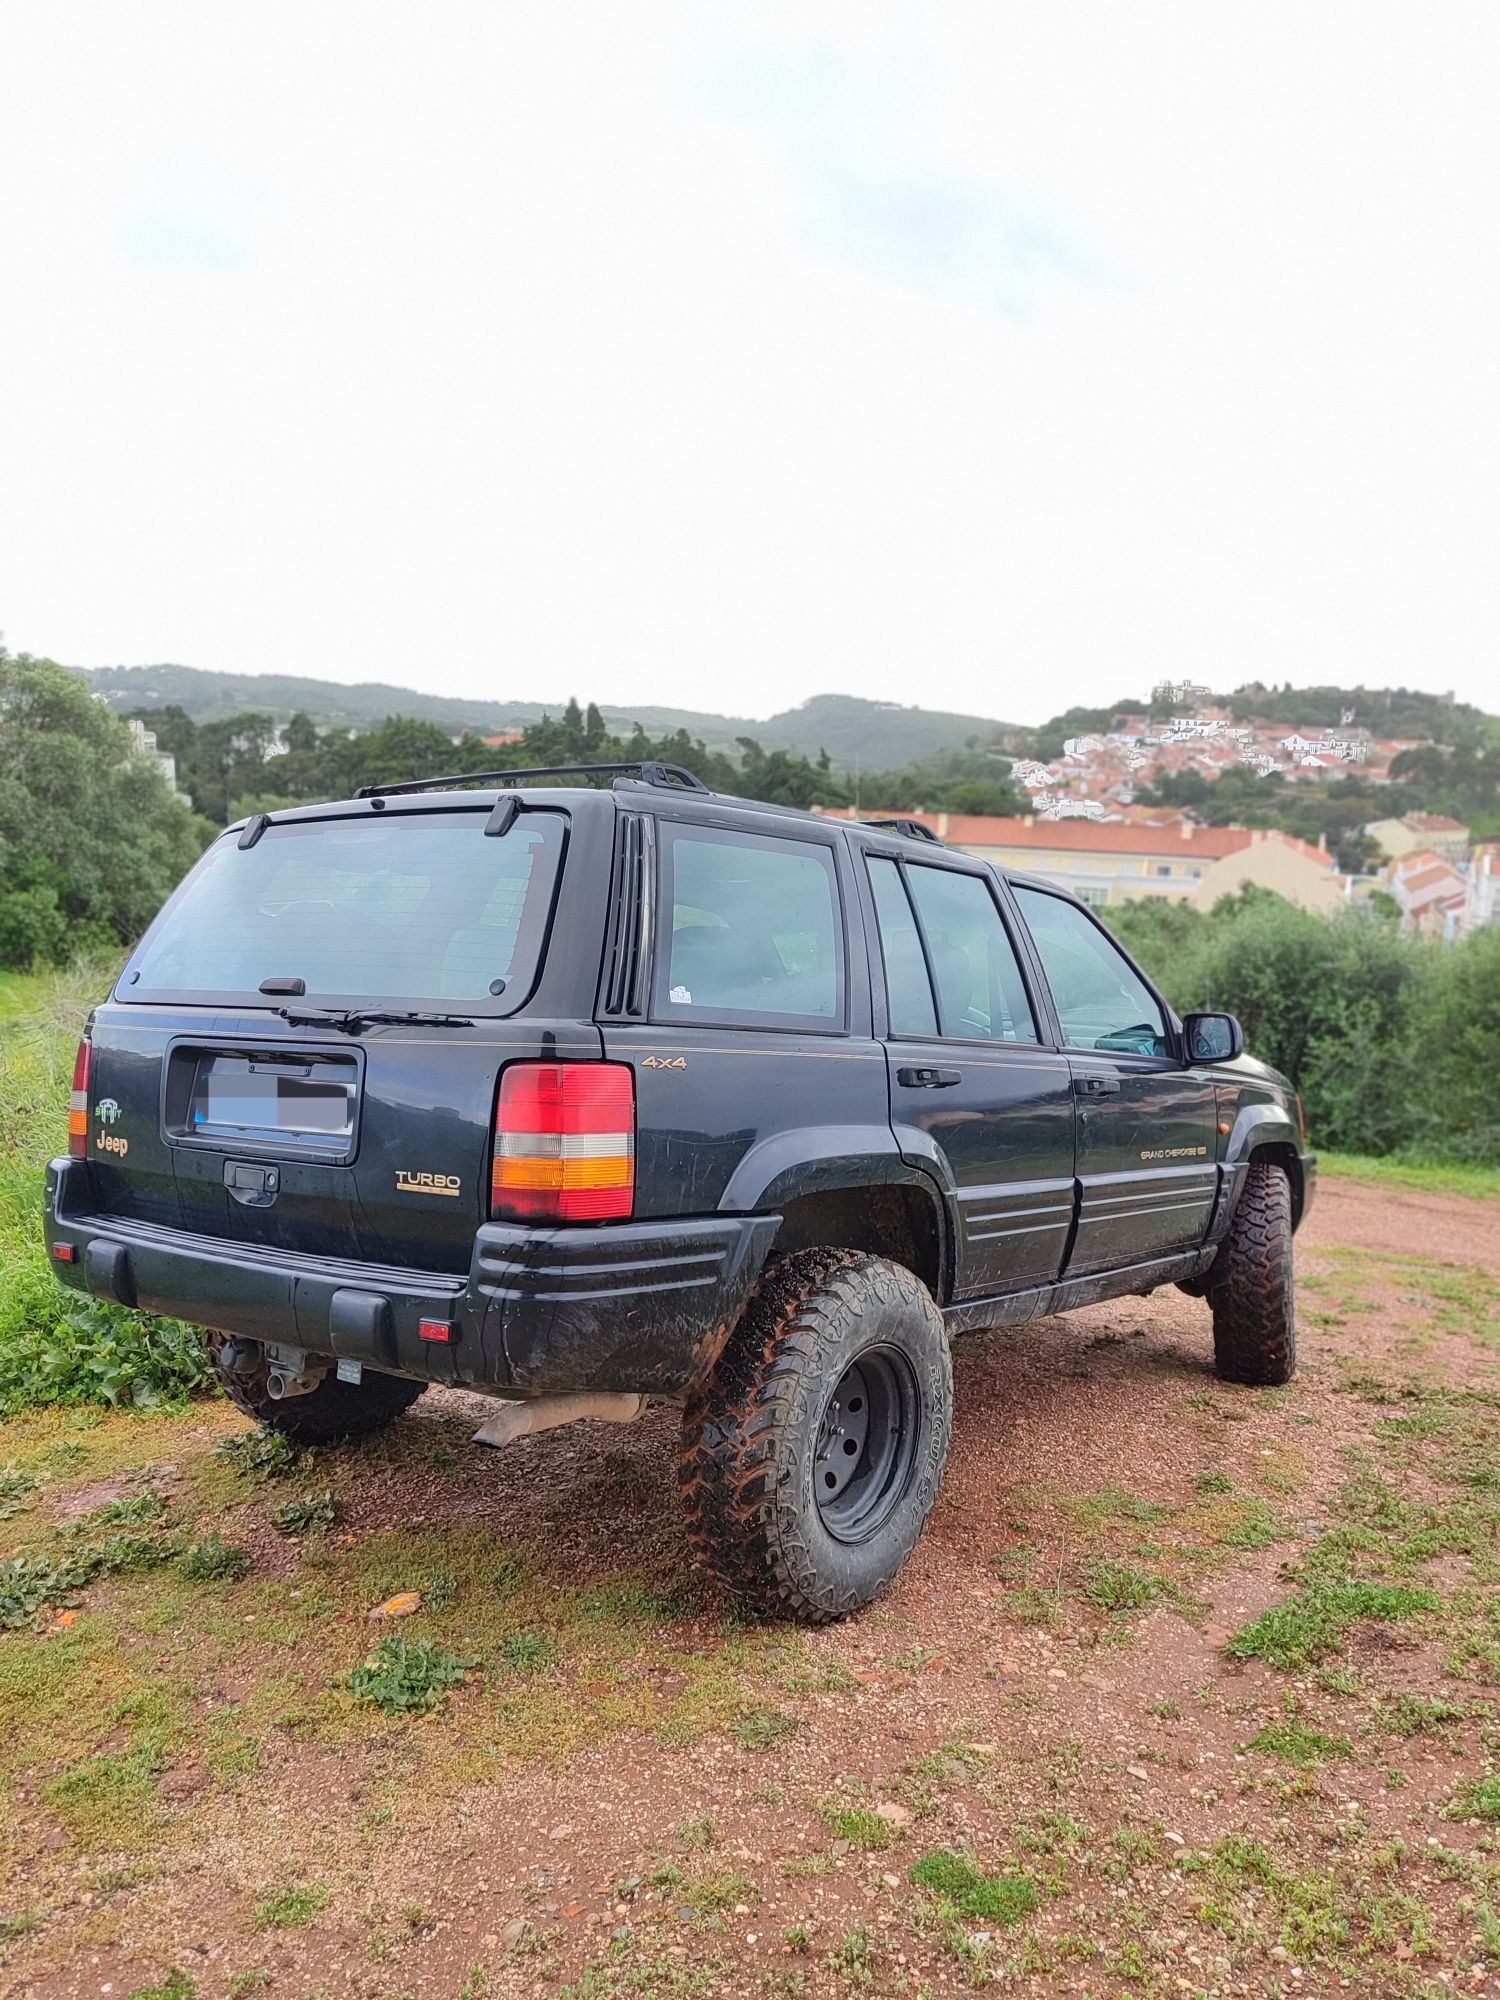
x,y
1105,862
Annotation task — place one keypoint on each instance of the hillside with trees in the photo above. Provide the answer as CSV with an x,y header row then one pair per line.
x,y
855,733
244,763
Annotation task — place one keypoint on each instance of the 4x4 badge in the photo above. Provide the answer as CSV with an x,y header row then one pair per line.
x,y
664,1062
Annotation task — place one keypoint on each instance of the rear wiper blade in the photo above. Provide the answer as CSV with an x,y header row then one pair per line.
x,y
351,1021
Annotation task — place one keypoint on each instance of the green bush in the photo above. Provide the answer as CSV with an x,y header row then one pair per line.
x,y
57,1345
1393,1041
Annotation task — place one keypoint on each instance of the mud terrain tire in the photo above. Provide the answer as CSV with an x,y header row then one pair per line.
x,y
333,1410
1251,1287
812,1456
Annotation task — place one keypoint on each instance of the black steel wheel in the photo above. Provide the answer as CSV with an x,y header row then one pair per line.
x,y
813,1454
867,1445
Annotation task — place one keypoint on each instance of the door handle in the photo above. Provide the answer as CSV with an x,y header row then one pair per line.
x,y
928,1079
1097,1086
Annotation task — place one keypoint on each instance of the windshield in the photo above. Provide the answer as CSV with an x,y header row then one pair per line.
x,y
409,908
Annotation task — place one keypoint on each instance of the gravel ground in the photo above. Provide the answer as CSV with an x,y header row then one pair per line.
x,y
1002,1705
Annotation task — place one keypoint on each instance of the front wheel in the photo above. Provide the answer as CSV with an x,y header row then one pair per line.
x,y
333,1410
1250,1285
813,1455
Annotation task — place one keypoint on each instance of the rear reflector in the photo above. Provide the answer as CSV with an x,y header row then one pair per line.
x,y
78,1107
65,1253
434,1329
564,1142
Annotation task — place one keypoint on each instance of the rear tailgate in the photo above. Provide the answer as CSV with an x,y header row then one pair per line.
x,y
212,1112
225,1126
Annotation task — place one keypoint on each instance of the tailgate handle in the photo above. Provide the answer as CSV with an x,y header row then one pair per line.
x,y
251,1185
928,1079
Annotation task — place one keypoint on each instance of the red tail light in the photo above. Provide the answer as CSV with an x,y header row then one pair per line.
x,y
564,1142
78,1108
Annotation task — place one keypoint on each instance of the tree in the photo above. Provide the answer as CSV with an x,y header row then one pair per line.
x,y
92,838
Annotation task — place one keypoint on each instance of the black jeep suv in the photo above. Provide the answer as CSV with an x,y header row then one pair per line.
x,y
580,1096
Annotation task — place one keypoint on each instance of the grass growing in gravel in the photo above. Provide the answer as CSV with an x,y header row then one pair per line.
x,y
959,1882
289,1908
1310,1625
1296,1743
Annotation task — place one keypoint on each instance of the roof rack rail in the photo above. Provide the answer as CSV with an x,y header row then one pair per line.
x,y
671,777
910,829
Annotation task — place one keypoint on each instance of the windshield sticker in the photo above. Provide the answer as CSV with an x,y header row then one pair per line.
x,y
681,996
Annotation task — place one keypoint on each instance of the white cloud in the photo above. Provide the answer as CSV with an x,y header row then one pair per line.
x,y
990,356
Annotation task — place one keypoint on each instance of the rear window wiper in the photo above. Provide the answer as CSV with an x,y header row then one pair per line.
x,y
353,1020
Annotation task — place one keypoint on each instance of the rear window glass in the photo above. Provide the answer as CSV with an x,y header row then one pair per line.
x,y
754,931
400,908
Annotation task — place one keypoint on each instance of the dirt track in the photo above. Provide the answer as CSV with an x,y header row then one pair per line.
x,y
1045,1691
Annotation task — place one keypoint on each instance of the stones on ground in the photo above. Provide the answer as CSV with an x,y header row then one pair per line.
x,y
402,1605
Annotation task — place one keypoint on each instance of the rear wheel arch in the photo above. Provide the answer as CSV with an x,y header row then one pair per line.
x,y
899,1220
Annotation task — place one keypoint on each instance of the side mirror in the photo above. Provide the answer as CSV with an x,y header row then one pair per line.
x,y
1212,1038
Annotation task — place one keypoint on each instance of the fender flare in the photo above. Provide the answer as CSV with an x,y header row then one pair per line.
x,y
831,1159
1260,1125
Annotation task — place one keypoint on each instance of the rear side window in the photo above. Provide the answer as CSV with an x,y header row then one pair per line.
x,y
401,908
1102,1002
753,933
981,995
908,990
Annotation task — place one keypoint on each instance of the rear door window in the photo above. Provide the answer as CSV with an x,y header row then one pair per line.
x,y
753,932
403,907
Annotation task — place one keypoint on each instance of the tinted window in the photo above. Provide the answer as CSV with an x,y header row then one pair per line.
x,y
754,929
908,990
400,908
1102,1002
981,995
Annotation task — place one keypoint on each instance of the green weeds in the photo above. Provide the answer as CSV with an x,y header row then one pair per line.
x,y
407,1678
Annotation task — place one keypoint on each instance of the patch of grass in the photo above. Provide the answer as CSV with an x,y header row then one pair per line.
x,y
265,1454
1309,1626
697,1832
858,1825
247,1981
287,1909
1421,1715
133,1510
1295,1743
1119,1586
109,1799
38,1580
213,1560
763,1728
1478,1799
1001,1899
309,1515
1481,1182
405,1678
527,1652
1213,1482
174,1985
1094,1511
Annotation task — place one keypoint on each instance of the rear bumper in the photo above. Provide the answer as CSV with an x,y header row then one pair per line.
x,y
634,1306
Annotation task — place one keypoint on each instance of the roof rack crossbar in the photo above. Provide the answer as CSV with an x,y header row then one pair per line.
x,y
910,829
671,777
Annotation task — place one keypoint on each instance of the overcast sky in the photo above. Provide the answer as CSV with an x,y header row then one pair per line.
x,y
996,357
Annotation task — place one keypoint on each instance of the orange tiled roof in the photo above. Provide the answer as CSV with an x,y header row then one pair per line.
x,y
1180,840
